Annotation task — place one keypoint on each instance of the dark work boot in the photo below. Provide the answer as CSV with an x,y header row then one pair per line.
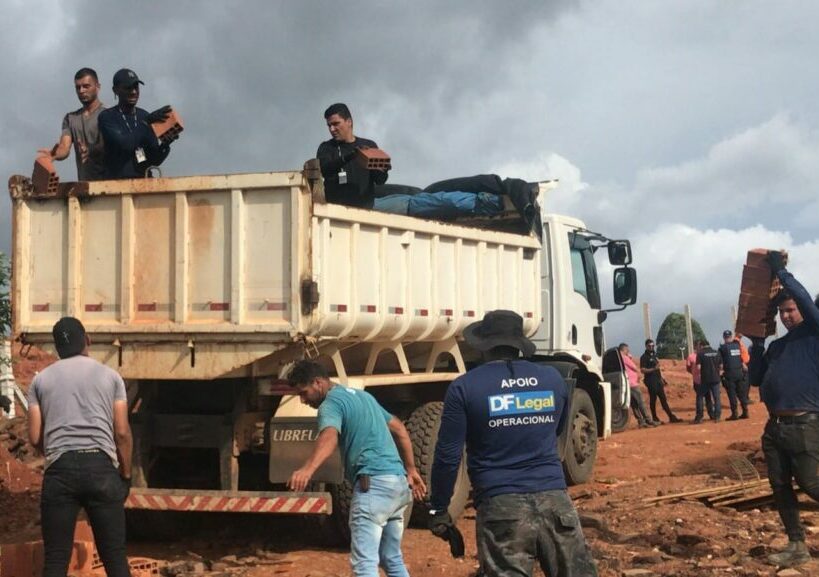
x,y
733,417
675,419
796,553
744,415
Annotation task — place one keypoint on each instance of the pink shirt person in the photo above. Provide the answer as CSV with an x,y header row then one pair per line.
x,y
692,367
632,371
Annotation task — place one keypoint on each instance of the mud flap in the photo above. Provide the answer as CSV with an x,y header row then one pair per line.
x,y
292,440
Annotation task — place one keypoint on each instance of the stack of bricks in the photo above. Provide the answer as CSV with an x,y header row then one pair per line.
x,y
373,159
756,314
44,178
168,130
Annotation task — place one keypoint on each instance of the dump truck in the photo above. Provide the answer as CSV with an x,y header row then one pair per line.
x,y
201,291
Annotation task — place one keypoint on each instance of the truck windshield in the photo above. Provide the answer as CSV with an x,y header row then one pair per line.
x,y
584,271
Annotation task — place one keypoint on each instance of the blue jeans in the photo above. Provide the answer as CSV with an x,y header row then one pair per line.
x,y
376,526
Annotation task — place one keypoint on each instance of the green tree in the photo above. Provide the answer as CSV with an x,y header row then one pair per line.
x,y
671,336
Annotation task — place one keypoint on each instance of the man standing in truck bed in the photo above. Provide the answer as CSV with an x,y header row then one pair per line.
x,y
345,180
378,462
78,418
81,131
510,413
130,144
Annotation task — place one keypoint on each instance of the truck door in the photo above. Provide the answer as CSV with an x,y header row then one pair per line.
x,y
585,332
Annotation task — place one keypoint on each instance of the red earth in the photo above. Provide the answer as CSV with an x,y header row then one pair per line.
x,y
682,537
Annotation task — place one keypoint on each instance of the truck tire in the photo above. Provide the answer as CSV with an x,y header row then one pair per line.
x,y
423,426
619,419
581,452
338,531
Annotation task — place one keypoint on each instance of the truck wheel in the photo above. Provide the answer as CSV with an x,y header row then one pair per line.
x,y
581,452
619,419
423,426
339,527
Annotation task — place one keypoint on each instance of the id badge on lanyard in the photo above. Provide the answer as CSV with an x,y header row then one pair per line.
x,y
342,174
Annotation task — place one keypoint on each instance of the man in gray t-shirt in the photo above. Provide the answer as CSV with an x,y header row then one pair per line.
x,y
81,131
78,418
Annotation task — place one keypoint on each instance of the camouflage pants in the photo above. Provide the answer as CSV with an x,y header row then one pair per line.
x,y
513,530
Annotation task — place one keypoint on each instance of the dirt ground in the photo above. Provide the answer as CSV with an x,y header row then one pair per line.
x,y
682,537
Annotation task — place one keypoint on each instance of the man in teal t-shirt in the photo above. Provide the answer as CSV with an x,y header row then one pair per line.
x,y
378,461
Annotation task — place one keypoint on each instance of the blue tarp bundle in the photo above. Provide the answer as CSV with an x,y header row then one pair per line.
x,y
441,204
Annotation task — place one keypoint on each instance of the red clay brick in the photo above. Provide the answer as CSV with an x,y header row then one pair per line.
x,y
166,131
44,178
756,314
373,159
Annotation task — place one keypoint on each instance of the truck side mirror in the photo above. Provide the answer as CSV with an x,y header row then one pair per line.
x,y
619,252
625,286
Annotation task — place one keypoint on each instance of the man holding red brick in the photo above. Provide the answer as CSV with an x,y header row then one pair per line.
x,y
347,181
131,146
80,129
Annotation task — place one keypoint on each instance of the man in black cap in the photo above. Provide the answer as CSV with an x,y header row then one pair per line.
x,y
733,375
131,146
510,412
78,418
655,383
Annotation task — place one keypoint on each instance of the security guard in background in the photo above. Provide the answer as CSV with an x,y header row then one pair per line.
x,y
733,377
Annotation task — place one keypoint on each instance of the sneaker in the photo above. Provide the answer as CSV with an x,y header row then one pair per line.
x,y
651,424
657,422
675,419
697,421
732,418
796,553
744,416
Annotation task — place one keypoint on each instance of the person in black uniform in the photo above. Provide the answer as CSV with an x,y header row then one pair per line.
x,y
653,377
788,377
709,363
345,180
733,375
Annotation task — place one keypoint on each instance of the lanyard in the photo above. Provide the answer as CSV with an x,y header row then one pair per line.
x,y
127,124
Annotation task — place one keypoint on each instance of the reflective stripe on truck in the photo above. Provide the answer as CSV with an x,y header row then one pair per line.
x,y
318,503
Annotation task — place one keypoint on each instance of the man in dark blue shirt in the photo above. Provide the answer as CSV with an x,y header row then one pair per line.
x,y
510,412
131,146
788,377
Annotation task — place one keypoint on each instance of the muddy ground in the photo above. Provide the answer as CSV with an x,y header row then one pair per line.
x,y
683,537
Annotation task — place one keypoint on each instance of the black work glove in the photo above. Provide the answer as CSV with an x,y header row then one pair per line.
x,y
776,260
159,115
441,525
5,403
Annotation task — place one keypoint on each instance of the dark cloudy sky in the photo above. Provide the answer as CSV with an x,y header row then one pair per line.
x,y
689,127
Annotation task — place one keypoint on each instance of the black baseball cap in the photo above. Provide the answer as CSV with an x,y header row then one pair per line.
x,y
69,337
726,333
126,78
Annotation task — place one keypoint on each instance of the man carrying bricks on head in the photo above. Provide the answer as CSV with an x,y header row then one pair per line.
x,y
788,377
80,129
131,146
346,181
78,418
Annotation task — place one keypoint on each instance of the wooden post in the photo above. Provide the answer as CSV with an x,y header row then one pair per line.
x,y
647,320
689,332
733,318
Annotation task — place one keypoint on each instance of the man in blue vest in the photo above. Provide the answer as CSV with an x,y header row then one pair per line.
x,y
510,412
733,375
788,377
